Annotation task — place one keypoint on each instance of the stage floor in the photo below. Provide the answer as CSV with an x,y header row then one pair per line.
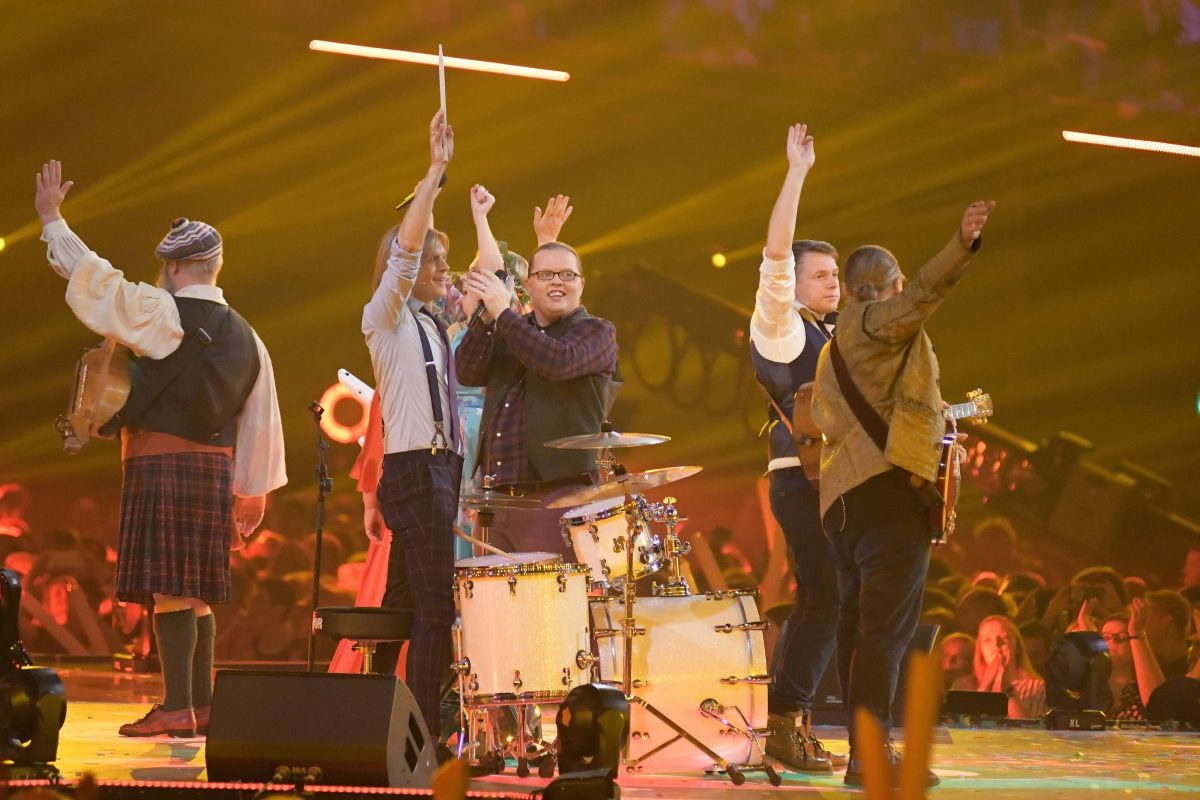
x,y
1022,764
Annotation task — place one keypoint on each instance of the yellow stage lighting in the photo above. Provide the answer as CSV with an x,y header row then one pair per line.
x,y
718,260
432,60
1132,144
1,244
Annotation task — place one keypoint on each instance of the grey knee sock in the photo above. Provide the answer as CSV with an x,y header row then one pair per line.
x,y
176,634
202,661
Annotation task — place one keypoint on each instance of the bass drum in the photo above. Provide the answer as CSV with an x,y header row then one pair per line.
x,y
704,647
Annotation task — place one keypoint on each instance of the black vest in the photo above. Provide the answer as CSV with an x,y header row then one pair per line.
x,y
202,401
782,380
553,409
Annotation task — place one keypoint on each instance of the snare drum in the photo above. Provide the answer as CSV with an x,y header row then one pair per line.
x,y
524,628
698,648
597,532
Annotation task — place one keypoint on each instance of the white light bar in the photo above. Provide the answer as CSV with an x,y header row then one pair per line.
x,y
1132,144
432,60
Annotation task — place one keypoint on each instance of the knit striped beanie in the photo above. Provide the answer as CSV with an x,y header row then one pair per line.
x,y
189,240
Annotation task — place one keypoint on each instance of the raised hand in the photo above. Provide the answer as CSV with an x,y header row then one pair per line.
x,y
1086,620
1137,617
801,154
51,192
547,226
441,140
481,201
974,219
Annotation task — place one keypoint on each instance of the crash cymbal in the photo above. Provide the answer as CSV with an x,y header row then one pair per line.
x,y
605,440
489,499
634,482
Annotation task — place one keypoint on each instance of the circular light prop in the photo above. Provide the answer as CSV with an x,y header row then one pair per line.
x,y
338,431
719,261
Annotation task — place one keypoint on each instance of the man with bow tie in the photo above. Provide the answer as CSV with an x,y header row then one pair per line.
x,y
797,298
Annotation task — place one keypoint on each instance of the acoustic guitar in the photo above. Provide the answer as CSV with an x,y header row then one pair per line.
x,y
942,516
102,383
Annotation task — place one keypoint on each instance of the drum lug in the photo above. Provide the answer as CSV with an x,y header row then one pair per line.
x,y
469,586
512,584
562,583
585,660
638,683
517,682
638,735
757,625
566,678
618,544
566,534
604,569
595,532
474,684
462,666
760,680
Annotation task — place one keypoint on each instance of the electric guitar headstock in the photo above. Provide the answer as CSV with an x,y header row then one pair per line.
x,y
983,406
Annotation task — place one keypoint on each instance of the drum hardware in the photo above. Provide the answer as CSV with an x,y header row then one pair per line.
x,y
585,660
512,584
562,583
714,710
630,630
761,680
760,625
676,549
638,683
517,682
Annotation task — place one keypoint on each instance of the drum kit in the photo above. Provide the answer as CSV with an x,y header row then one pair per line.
x,y
693,667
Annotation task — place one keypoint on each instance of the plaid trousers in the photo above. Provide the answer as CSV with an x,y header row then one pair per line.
x,y
418,496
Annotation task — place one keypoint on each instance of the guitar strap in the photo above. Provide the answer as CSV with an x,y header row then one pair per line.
x,y
187,352
875,425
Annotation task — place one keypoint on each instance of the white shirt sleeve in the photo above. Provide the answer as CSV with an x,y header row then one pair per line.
x,y
387,304
142,317
776,328
258,462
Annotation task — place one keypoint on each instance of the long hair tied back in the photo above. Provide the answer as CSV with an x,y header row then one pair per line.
x,y
869,271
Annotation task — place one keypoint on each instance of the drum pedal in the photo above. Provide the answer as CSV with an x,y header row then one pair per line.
x,y
713,710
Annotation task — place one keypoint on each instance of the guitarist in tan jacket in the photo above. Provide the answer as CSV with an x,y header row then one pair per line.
x,y
201,439
870,508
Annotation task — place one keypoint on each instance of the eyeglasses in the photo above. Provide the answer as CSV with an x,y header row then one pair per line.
x,y
547,275
1115,638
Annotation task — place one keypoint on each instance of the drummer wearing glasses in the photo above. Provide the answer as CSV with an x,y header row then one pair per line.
x,y
549,374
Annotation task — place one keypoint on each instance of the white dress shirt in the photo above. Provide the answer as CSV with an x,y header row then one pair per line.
x,y
389,324
145,319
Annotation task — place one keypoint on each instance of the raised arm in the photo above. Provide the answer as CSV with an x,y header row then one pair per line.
x,y
420,214
782,228
549,225
1145,665
899,317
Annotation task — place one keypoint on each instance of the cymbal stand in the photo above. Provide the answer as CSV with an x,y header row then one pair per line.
x,y
635,508
675,550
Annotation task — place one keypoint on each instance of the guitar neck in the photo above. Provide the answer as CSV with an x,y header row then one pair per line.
x,y
962,410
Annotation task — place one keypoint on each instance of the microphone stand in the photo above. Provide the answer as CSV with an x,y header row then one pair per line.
x,y
324,487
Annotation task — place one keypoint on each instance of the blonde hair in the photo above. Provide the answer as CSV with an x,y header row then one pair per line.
x,y
385,249
1018,645
869,271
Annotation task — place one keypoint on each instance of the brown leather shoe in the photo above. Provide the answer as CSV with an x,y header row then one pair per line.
x,y
157,722
787,743
837,760
202,717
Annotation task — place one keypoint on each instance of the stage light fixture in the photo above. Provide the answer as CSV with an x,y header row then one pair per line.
x,y
593,725
1132,144
33,702
718,260
1077,681
3,244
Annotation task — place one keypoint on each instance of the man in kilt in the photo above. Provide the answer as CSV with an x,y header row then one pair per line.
x,y
201,440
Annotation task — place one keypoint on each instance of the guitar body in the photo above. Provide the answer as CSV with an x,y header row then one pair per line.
x,y
942,516
806,434
102,384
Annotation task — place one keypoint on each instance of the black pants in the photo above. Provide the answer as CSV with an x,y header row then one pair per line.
x,y
806,643
880,536
418,496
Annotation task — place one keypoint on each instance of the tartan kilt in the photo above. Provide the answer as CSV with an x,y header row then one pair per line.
x,y
176,523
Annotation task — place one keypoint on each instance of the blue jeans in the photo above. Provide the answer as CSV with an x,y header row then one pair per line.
x,y
880,536
806,643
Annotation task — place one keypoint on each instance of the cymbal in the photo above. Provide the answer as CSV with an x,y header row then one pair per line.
x,y
605,440
634,482
489,499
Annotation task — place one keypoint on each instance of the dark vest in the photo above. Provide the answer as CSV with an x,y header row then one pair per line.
x,y
553,409
782,380
202,401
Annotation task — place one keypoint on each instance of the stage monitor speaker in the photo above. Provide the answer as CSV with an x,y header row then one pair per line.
x,y
331,729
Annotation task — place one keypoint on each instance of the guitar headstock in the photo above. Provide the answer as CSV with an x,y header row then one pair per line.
x,y
983,406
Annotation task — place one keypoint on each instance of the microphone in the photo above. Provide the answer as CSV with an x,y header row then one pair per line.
x,y
503,276
412,195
